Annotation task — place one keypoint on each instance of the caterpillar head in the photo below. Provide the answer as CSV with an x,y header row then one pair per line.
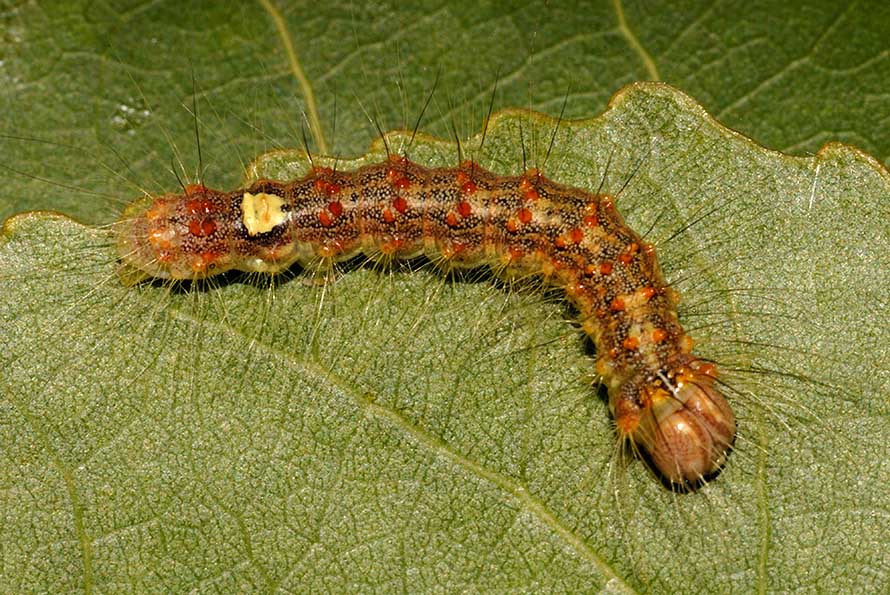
x,y
680,420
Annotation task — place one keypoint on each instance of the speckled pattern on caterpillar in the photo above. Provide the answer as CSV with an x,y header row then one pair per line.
x,y
664,399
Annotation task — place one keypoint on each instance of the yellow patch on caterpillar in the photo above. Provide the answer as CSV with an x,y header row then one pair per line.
x,y
261,212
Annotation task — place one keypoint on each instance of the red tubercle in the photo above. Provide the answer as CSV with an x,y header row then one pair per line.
x,y
336,208
466,183
617,305
591,214
527,186
398,180
464,209
395,175
631,343
515,252
576,235
648,292
333,211
451,219
388,215
659,335
202,227
400,204
525,215
627,256
511,225
606,267
198,206
323,186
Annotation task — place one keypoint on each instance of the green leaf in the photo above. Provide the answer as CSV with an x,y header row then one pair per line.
x,y
393,430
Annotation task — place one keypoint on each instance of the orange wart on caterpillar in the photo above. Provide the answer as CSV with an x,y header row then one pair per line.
x,y
665,401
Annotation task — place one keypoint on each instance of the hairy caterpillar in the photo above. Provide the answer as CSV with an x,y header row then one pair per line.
x,y
664,399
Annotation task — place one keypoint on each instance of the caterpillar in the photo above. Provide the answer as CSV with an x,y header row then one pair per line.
x,y
664,400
